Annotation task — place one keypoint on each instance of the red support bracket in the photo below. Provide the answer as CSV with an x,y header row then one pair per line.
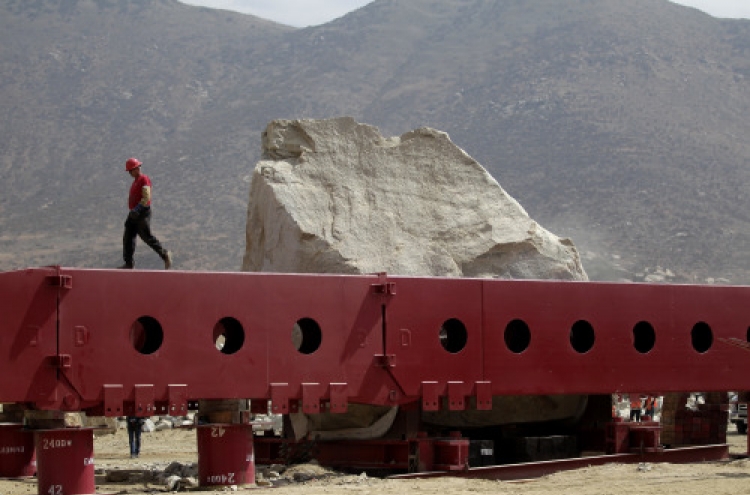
x,y
280,398
311,398
452,454
114,397
456,396
385,360
61,281
339,399
177,399
430,396
384,287
423,451
645,437
144,400
483,394
61,361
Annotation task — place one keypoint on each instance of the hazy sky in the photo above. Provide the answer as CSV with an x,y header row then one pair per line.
x,y
312,12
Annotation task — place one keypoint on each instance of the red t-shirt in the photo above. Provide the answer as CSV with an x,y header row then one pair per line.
x,y
136,191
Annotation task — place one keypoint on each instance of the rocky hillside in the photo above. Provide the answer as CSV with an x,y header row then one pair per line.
x,y
619,124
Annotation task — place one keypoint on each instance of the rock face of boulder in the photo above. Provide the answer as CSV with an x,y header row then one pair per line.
x,y
335,196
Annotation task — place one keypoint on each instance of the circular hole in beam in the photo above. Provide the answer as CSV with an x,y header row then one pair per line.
x,y
453,336
146,335
228,335
702,337
582,336
517,336
644,337
307,336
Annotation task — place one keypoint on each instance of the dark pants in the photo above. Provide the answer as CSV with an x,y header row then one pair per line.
x,y
134,437
635,414
141,227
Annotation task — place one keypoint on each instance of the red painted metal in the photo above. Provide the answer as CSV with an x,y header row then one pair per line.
x,y
173,321
530,470
680,316
417,454
28,337
65,461
451,454
422,366
116,341
365,454
17,454
623,437
226,455
617,437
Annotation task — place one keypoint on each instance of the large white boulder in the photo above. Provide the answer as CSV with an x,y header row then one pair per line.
x,y
334,196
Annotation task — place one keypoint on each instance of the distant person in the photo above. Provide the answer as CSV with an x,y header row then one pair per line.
x,y
135,427
616,398
138,222
635,407
650,406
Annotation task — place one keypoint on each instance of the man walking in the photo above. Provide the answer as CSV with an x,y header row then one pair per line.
x,y
135,427
138,222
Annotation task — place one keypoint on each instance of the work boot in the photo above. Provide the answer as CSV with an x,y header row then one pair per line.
x,y
167,260
126,266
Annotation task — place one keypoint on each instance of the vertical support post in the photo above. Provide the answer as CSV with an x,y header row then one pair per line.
x,y
452,454
742,397
17,454
226,455
65,461
424,455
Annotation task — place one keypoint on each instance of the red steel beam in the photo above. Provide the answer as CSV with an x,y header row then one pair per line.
x,y
417,454
124,341
529,470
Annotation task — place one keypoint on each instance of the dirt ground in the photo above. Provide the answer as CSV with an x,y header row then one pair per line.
x,y
161,448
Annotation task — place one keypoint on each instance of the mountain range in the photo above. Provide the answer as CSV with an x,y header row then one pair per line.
x,y
618,124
